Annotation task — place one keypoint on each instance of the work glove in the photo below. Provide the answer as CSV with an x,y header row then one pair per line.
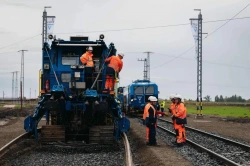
x,y
169,110
173,117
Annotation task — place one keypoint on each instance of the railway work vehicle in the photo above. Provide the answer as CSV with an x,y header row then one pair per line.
x,y
136,96
73,111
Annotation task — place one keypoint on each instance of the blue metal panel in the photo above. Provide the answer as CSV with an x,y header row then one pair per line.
x,y
91,93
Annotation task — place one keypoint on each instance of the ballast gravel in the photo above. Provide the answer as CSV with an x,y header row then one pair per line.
x,y
61,155
231,152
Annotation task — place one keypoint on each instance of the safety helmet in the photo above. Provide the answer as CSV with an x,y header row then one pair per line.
x,y
121,54
178,96
90,49
152,98
182,100
171,96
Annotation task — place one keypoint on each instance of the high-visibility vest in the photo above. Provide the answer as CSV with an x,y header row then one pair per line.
x,y
172,107
115,62
146,110
147,113
162,104
87,58
180,111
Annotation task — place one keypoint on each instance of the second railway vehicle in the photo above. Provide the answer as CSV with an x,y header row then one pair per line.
x,y
136,96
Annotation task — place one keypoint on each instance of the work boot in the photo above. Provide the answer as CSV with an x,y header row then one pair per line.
x,y
154,144
174,142
179,144
147,143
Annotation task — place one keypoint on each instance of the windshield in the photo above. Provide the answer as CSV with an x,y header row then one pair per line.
x,y
138,90
70,58
149,89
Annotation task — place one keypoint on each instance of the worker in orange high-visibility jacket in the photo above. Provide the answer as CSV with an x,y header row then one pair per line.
x,y
172,107
114,67
185,115
144,120
151,119
87,60
179,115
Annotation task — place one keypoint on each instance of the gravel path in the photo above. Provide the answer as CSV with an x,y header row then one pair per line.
x,y
231,152
160,155
221,126
61,155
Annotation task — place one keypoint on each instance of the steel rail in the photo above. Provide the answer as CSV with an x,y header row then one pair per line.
x,y
215,155
128,154
6,147
214,136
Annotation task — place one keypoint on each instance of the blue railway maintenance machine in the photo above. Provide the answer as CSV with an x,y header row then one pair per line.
x,y
72,111
136,96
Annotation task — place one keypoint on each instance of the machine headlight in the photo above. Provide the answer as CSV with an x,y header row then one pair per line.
x,y
77,74
73,66
81,66
131,100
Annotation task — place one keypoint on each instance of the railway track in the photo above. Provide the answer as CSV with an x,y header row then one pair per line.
x,y
228,151
52,154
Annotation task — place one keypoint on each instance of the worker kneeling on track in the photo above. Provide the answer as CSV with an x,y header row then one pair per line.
x,y
150,120
179,119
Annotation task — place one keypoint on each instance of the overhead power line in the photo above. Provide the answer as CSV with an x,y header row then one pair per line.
x,y
203,38
215,63
152,27
228,21
128,29
19,42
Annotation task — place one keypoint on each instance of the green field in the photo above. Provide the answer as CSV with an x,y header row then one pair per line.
x,y
230,111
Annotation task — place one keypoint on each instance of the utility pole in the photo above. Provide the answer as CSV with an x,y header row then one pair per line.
x,y
22,71
3,96
16,85
21,99
145,71
44,33
197,26
148,64
13,76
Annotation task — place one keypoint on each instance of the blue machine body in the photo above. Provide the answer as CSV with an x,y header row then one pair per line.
x,y
65,98
137,93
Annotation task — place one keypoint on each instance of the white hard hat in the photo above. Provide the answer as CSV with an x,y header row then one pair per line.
x,y
121,54
171,96
182,100
152,98
90,48
178,96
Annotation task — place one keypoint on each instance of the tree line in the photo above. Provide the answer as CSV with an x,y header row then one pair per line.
x,y
220,98
233,98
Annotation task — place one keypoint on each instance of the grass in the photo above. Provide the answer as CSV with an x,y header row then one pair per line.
x,y
230,111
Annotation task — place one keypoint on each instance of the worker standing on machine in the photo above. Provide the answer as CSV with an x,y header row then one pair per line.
x,y
87,60
113,69
151,119
179,116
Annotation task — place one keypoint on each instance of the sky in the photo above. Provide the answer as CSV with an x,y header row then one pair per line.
x,y
173,68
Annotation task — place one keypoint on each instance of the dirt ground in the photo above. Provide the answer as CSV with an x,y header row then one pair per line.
x,y
228,127
152,155
144,155
12,123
